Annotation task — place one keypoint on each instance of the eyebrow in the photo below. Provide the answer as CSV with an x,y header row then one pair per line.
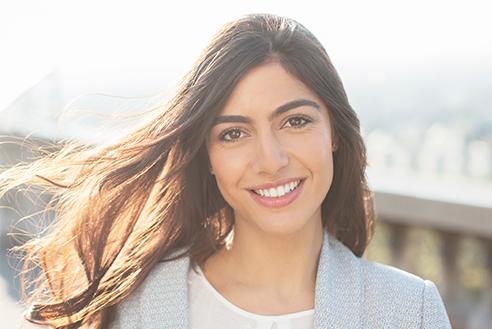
x,y
278,111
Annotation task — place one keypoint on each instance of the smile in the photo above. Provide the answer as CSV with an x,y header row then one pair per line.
x,y
279,190
279,196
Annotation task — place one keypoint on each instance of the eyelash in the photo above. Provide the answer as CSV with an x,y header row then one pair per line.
x,y
225,133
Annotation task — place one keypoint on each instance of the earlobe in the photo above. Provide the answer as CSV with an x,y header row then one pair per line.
x,y
334,141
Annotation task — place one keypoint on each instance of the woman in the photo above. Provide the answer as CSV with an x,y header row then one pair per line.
x,y
241,204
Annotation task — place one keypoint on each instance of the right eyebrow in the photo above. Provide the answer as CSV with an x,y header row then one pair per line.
x,y
278,111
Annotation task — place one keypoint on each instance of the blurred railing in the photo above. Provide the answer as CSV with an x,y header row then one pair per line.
x,y
447,242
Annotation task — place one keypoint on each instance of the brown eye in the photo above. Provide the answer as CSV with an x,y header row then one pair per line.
x,y
298,121
233,135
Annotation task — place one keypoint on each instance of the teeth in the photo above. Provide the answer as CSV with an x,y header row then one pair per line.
x,y
278,191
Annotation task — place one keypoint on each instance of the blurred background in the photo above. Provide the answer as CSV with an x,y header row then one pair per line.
x,y
418,73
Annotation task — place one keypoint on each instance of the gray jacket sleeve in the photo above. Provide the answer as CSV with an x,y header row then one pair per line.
x,y
434,314
126,314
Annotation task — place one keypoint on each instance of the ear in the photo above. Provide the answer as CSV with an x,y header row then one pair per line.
x,y
334,143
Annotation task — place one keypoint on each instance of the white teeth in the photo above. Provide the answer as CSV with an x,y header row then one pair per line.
x,y
278,191
283,189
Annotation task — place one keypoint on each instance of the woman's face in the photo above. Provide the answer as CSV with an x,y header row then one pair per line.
x,y
273,130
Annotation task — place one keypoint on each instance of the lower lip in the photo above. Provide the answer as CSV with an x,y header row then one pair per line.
x,y
278,202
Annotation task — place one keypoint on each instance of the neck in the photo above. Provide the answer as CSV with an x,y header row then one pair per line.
x,y
280,265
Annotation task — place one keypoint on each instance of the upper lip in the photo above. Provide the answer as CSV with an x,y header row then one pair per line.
x,y
277,183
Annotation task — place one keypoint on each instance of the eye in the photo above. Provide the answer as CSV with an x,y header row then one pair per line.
x,y
298,121
233,135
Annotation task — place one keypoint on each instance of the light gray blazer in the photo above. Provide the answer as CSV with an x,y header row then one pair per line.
x,y
351,292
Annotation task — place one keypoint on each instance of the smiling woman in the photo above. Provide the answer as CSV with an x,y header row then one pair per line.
x,y
243,203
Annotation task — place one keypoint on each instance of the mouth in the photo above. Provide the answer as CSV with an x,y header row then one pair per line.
x,y
280,190
280,196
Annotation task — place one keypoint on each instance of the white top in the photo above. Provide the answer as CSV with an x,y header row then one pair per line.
x,y
210,310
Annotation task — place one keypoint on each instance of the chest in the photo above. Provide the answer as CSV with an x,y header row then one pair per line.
x,y
208,309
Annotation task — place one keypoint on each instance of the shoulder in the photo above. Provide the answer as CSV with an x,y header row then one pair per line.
x,y
388,296
161,295
385,279
407,297
376,277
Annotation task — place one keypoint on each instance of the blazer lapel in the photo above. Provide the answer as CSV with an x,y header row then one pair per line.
x,y
338,287
169,296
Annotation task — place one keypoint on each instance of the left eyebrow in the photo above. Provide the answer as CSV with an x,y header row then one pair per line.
x,y
278,111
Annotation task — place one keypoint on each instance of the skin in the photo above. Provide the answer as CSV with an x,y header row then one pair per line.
x,y
272,265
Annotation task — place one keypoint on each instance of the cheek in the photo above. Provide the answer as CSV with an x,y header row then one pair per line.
x,y
317,156
227,164
315,147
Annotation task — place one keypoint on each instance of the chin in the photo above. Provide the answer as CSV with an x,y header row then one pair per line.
x,y
283,226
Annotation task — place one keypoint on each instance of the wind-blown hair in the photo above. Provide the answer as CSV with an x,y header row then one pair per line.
x,y
121,208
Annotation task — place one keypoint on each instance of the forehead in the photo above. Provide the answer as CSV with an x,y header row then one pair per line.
x,y
265,87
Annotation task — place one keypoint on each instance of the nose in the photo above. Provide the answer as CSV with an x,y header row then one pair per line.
x,y
271,156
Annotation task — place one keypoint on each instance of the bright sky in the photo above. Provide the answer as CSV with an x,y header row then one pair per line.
x,y
40,36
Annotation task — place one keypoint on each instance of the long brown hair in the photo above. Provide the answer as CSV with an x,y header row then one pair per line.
x,y
123,207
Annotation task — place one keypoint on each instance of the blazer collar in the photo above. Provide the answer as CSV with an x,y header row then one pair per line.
x,y
338,292
337,296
